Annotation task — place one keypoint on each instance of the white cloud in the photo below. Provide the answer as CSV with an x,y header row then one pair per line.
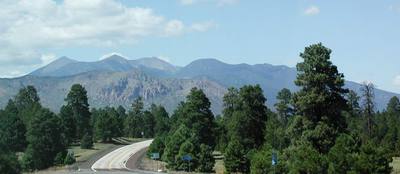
x,y
28,27
174,28
312,10
47,58
396,80
203,26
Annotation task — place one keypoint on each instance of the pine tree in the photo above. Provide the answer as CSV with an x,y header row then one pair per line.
x,y
68,124
45,141
235,157
321,97
368,96
134,120
162,125
77,100
394,105
283,106
12,131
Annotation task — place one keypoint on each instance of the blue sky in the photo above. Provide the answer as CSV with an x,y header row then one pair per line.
x,y
363,34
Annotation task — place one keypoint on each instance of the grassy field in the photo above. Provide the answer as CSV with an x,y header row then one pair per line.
x,y
85,154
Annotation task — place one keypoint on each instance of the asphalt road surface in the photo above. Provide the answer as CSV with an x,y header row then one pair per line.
x,y
117,159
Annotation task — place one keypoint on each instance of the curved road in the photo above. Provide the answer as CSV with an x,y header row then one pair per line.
x,y
116,160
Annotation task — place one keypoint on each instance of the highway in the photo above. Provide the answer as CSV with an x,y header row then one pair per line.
x,y
116,160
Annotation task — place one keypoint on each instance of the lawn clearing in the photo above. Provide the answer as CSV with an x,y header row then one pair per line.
x,y
85,154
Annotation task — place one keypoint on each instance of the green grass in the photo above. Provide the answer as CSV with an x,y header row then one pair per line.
x,y
85,154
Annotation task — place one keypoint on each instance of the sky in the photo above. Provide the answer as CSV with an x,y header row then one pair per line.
x,y
364,35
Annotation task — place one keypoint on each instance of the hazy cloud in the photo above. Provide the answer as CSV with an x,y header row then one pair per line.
x,y
312,10
396,81
27,27
174,28
203,26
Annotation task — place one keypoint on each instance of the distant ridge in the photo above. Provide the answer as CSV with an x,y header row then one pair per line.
x,y
117,80
66,67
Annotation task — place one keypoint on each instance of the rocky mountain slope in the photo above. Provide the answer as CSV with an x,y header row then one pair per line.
x,y
118,81
107,88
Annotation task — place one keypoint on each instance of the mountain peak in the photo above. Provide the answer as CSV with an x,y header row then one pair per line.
x,y
52,66
64,59
157,63
114,57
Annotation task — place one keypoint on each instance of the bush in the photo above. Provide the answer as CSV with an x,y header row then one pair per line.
x,y
157,146
28,163
261,161
235,157
303,158
372,159
206,159
87,141
9,163
59,159
69,159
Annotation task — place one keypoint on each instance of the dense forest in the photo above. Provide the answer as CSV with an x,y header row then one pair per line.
x,y
322,128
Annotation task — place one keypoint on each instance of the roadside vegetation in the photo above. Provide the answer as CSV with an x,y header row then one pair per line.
x,y
321,128
43,139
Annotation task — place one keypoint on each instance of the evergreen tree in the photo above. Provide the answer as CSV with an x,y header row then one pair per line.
x,y
157,146
77,100
134,120
197,116
106,124
283,106
45,141
303,158
26,98
12,132
235,157
162,126
393,106
231,102
87,141
187,148
321,97
342,155
149,123
368,96
173,145
275,134
206,159
261,162
372,159
353,102
8,162
68,124
26,104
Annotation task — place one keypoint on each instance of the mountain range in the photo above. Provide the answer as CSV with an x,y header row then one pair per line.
x,y
117,81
